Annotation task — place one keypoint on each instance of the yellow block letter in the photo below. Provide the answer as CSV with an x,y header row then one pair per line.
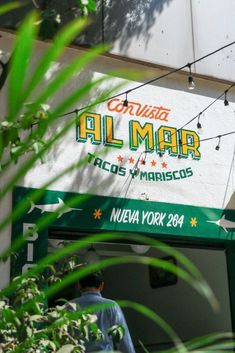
x,y
89,126
190,144
139,133
167,140
109,139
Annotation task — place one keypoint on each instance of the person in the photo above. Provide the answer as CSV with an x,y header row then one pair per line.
x,y
91,287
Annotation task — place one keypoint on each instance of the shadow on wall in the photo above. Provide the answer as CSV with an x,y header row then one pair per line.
x,y
135,18
114,20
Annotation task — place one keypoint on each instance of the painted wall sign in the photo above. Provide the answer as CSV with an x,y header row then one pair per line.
x,y
100,130
148,148
138,109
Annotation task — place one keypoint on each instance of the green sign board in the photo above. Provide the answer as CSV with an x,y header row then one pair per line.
x,y
95,213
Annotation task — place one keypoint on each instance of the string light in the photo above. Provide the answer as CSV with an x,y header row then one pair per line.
x,y
154,79
226,103
191,83
179,155
125,103
207,139
188,122
199,125
209,105
217,147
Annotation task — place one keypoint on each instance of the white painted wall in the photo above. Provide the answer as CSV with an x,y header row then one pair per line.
x,y
175,32
213,28
166,32
158,32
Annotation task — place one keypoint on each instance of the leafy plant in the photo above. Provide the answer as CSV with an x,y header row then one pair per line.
x,y
26,324
38,329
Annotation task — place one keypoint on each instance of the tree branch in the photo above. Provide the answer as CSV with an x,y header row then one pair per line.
x,y
35,4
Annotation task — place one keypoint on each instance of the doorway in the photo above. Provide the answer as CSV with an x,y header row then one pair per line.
x,y
169,296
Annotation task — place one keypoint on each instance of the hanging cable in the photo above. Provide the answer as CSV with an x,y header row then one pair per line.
x,y
154,79
208,106
218,137
125,103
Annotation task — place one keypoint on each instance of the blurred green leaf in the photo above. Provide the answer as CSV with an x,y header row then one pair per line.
x,y
91,5
158,320
8,7
63,38
210,340
66,73
19,64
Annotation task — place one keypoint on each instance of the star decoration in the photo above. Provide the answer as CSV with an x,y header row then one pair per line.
x,y
120,158
142,161
153,163
131,160
97,214
164,165
193,221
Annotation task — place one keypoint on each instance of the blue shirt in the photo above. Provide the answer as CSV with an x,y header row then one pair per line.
x,y
105,319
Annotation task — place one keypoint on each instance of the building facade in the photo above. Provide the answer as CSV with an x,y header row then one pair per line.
x,y
153,160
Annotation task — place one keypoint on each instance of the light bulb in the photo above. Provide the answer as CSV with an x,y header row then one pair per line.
x,y
191,83
199,125
226,102
125,103
218,145
140,249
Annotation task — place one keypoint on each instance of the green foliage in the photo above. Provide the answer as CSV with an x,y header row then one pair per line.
x,y
8,7
51,19
26,325
23,129
87,6
37,328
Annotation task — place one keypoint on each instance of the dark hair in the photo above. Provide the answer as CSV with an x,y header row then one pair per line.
x,y
92,280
